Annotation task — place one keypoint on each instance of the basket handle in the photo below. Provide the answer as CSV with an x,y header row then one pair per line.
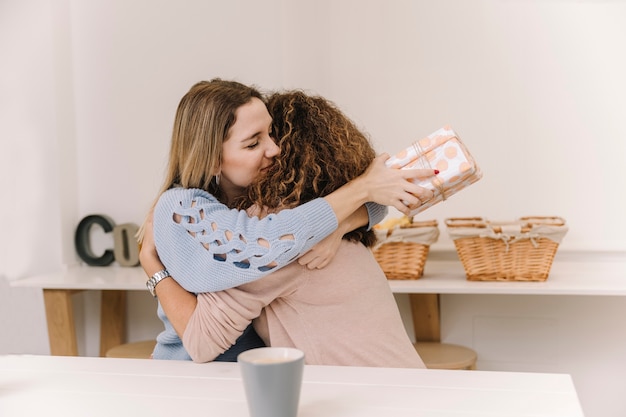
x,y
421,223
466,222
511,228
546,220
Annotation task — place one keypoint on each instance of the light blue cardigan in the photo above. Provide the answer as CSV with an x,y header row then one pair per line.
x,y
198,253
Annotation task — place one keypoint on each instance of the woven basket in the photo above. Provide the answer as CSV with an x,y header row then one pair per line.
x,y
521,250
402,251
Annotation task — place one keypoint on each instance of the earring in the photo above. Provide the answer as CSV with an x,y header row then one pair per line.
x,y
217,179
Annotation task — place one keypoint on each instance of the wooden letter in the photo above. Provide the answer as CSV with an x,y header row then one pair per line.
x,y
81,240
125,247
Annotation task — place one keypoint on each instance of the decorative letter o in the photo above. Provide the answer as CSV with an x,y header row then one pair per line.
x,y
125,246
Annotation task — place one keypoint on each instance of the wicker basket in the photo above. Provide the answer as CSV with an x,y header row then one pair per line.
x,y
521,250
402,250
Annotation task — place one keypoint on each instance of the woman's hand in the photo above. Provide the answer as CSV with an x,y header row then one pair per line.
x,y
321,254
382,185
148,256
393,187
176,302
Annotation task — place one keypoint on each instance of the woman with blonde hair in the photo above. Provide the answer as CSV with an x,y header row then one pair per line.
x,y
211,323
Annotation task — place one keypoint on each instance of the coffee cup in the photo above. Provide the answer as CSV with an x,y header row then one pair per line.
x,y
272,378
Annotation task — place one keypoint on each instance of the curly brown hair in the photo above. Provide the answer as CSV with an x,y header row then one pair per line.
x,y
321,150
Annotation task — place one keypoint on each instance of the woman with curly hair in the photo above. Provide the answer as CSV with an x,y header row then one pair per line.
x,y
322,149
339,312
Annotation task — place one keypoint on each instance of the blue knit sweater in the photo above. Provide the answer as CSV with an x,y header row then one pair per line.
x,y
212,248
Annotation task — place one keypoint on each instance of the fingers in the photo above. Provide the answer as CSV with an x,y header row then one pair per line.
x,y
321,254
414,197
406,202
402,208
310,259
406,208
419,173
397,187
306,259
312,262
424,194
417,191
324,263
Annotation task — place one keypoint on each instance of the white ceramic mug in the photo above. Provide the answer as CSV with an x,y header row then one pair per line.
x,y
272,378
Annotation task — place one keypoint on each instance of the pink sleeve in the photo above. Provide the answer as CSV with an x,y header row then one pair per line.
x,y
221,317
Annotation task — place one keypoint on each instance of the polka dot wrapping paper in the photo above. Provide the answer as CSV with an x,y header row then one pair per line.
x,y
444,151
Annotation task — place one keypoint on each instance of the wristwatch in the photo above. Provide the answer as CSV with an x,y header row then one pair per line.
x,y
155,279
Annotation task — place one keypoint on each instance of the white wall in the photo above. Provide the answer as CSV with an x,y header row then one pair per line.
x,y
535,89
30,218
88,91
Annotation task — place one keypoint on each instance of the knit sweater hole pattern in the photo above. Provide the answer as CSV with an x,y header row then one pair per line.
x,y
222,244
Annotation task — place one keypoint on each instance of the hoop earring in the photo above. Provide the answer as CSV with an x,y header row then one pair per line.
x,y
217,179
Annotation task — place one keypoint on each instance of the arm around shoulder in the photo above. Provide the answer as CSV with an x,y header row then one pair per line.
x,y
209,247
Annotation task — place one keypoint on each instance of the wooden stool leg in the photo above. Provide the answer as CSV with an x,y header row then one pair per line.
x,y
60,319
426,321
112,319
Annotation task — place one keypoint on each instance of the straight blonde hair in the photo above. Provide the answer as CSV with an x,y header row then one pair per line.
x,y
202,123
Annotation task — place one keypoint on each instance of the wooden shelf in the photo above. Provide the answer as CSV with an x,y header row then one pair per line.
x,y
572,273
585,273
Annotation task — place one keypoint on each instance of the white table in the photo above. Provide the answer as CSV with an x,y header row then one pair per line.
x,y
572,273
80,386
58,288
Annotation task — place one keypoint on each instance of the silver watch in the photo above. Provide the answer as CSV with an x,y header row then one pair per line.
x,y
155,279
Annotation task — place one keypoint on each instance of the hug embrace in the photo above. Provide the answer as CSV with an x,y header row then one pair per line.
x,y
260,234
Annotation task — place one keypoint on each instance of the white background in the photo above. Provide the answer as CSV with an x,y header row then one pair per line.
x,y
535,88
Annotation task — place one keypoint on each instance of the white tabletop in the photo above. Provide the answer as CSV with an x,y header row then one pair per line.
x,y
80,386
572,273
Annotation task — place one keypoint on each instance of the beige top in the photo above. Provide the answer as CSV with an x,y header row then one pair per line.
x,y
343,314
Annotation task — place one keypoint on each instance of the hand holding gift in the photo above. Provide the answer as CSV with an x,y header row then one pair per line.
x,y
443,151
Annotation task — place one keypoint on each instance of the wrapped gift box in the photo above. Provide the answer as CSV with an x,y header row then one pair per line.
x,y
444,151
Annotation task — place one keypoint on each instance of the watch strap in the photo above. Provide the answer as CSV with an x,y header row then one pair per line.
x,y
155,279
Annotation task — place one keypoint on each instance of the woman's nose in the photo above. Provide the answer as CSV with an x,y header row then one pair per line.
x,y
272,150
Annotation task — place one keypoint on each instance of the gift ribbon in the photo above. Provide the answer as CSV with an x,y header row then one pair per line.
x,y
425,163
